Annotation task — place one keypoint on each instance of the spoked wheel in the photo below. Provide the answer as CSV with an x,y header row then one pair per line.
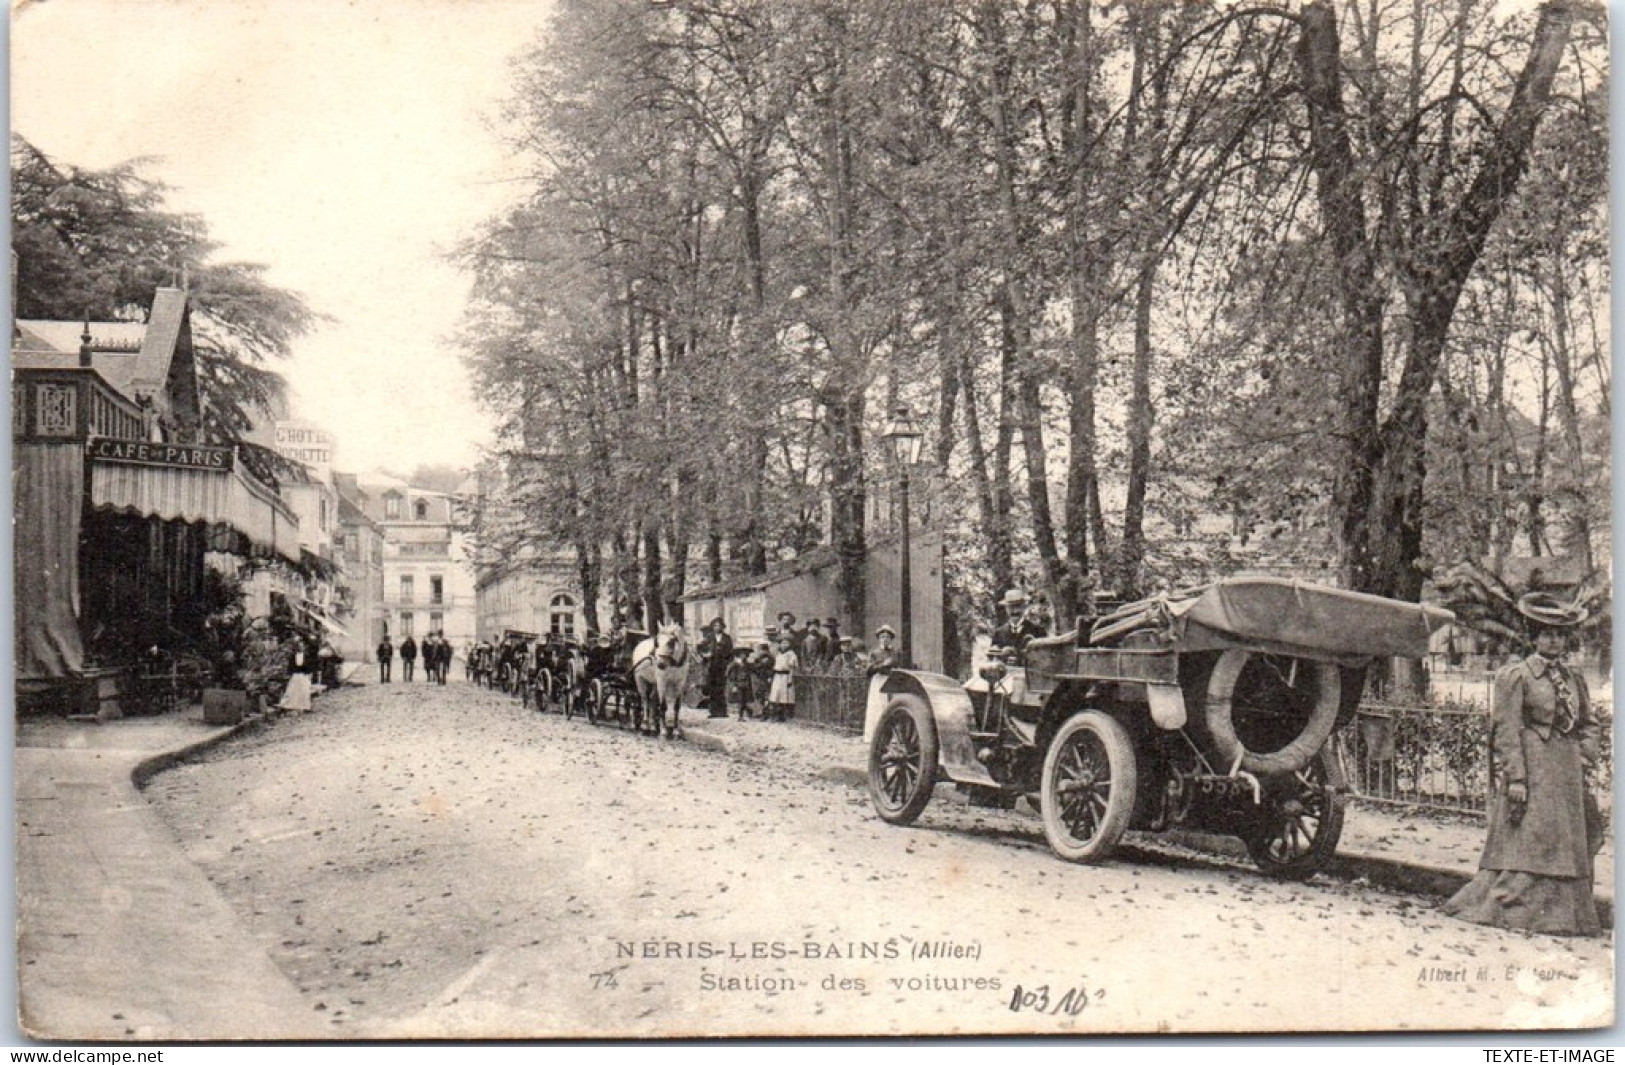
x,y
1088,787
595,702
544,691
1298,828
567,699
903,760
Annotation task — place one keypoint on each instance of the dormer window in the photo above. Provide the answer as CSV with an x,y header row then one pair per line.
x,y
392,507
420,510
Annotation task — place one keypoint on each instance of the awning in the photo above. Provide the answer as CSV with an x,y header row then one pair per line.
x,y
194,493
317,613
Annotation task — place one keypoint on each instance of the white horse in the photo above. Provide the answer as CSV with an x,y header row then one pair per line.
x,y
660,670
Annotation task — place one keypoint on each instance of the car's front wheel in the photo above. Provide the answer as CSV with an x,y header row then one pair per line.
x,y
903,760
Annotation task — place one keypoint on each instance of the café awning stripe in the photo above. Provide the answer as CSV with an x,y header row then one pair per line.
x,y
192,494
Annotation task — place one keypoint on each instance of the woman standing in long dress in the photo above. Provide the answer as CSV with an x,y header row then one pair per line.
x,y
1536,870
296,696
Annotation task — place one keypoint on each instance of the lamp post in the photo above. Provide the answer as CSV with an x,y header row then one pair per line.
x,y
905,438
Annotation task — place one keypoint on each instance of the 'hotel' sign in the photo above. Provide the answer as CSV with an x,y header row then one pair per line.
x,y
190,456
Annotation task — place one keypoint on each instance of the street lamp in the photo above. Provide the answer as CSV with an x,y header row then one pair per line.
x,y
905,438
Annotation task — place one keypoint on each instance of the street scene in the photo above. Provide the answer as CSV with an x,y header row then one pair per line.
x,y
666,521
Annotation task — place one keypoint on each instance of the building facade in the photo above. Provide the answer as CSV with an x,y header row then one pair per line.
x,y
426,569
531,595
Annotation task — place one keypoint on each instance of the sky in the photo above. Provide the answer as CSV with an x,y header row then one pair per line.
x,y
345,145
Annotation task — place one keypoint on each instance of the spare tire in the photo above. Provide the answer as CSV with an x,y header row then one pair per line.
x,y
1287,707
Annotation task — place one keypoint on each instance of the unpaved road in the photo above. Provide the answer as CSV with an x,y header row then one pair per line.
x,y
439,862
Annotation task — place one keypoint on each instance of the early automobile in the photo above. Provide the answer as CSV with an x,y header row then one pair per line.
x,y
1209,708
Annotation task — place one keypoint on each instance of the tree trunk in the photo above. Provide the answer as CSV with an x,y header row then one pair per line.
x,y
1131,555
589,564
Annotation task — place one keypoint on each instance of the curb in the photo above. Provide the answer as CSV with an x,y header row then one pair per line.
x,y
1388,873
154,764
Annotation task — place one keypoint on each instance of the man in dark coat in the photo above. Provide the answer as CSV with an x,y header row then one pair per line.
x,y
1020,625
814,647
717,650
409,657
386,655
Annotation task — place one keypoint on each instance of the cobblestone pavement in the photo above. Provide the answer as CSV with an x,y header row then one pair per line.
x,y
442,862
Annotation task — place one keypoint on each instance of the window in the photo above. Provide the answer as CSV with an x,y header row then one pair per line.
x,y
437,622
406,588
321,519
562,616
392,507
406,624
420,510
437,590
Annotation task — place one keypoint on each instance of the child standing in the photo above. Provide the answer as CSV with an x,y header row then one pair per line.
x,y
782,697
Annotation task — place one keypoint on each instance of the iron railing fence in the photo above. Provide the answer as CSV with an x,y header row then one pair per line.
x,y
832,699
1434,758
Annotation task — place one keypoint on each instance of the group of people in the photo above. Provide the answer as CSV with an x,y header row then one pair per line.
x,y
759,680
436,652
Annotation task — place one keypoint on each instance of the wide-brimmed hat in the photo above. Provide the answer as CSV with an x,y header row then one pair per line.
x,y
1549,612
718,623
1014,597
885,630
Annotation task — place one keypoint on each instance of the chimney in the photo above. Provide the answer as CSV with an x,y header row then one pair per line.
x,y
85,361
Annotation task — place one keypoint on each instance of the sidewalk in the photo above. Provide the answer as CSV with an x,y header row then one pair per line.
x,y
119,937
1388,847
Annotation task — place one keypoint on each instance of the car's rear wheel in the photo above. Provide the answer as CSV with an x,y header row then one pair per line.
x,y
903,760
1089,784
1298,828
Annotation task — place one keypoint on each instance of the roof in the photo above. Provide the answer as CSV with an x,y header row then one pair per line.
x,y
133,357
45,345
163,334
818,558
350,512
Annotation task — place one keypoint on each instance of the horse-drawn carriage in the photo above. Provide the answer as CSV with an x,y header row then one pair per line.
x,y
1210,708
557,667
512,660
639,680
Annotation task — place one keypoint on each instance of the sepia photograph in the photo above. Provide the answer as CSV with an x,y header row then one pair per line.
x,y
662,520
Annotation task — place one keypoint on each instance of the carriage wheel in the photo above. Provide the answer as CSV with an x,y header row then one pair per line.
x,y
567,698
1088,787
544,692
903,760
1302,817
595,701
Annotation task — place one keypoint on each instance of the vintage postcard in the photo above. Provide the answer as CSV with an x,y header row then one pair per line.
x,y
662,519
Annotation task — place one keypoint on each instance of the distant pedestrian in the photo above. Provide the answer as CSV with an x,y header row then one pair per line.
x,y
445,658
386,655
782,698
409,657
